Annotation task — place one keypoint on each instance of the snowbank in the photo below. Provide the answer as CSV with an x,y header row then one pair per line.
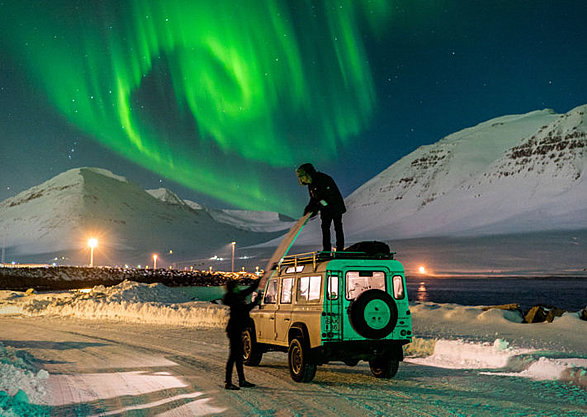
x,y
129,302
497,342
21,384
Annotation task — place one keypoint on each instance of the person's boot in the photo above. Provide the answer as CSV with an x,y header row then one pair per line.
x,y
246,384
229,385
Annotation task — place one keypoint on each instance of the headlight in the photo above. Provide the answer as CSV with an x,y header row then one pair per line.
x,y
398,287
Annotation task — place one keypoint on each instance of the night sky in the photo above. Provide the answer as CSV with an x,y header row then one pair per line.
x,y
221,100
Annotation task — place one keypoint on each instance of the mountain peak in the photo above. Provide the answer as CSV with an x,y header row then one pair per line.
x,y
167,196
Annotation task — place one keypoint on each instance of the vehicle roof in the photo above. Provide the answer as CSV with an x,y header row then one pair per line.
x,y
321,261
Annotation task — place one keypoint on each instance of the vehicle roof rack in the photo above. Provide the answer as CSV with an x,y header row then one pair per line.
x,y
322,256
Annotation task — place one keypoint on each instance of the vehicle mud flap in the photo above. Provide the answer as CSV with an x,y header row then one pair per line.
x,y
373,314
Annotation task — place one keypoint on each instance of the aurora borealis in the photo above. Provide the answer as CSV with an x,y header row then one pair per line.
x,y
223,99
255,83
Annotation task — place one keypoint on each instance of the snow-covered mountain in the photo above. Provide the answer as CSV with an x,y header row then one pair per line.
x,y
512,174
58,217
254,221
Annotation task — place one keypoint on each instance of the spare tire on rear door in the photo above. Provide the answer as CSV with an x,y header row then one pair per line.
x,y
373,314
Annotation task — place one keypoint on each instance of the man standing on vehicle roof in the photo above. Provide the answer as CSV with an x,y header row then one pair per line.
x,y
326,199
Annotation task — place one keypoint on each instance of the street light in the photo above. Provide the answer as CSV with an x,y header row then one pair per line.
x,y
233,246
92,243
155,261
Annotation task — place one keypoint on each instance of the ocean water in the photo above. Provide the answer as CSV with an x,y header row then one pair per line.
x,y
566,293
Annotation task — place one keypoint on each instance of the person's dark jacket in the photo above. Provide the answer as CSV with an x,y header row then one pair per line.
x,y
239,308
324,194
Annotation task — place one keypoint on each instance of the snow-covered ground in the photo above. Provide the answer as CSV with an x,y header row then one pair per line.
x,y
485,343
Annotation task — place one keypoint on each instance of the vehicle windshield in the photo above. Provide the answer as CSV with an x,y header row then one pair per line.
x,y
357,282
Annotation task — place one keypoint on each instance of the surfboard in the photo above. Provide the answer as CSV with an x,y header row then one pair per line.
x,y
283,248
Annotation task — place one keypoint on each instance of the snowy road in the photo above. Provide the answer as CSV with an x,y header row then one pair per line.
x,y
108,368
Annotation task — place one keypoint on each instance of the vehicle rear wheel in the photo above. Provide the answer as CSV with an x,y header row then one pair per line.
x,y
251,353
384,367
300,368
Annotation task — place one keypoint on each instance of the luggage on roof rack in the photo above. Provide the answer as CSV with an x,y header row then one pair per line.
x,y
361,250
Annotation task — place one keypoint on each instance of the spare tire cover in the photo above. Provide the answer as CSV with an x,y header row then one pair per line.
x,y
374,314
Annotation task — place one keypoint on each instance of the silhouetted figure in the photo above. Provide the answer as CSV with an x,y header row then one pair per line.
x,y
239,317
326,199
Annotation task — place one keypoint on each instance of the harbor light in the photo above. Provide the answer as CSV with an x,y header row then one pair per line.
x,y
92,243
233,247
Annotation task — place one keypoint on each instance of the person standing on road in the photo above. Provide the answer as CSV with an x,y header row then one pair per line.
x,y
235,298
326,199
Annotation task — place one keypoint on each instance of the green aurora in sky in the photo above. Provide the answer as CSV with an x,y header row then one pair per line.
x,y
209,94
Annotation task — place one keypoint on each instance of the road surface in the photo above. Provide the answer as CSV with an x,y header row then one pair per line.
x,y
107,368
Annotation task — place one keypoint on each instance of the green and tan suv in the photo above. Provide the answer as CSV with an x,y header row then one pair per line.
x,y
332,306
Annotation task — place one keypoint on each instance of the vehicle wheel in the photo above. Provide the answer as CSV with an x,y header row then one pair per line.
x,y
251,353
373,314
384,367
299,367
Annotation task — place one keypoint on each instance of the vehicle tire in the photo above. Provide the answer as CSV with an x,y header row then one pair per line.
x,y
252,354
384,367
373,314
300,368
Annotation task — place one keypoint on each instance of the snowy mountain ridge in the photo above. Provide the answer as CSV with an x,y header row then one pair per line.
x,y
58,216
510,174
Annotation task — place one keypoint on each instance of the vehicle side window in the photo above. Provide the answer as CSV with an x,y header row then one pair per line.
x,y
271,293
333,287
286,287
309,288
357,282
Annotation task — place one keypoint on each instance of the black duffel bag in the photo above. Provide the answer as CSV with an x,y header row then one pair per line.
x,y
372,248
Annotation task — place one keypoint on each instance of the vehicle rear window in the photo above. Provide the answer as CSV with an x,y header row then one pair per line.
x,y
357,282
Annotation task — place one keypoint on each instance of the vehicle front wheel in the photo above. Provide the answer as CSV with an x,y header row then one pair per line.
x,y
251,353
300,369
384,367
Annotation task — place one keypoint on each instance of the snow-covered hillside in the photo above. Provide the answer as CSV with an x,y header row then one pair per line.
x,y
254,221
56,219
512,174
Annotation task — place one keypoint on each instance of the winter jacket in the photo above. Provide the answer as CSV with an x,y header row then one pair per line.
x,y
324,195
239,308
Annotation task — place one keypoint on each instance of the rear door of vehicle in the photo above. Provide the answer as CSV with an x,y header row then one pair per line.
x,y
355,281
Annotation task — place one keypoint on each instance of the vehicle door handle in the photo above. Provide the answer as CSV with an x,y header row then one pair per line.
x,y
272,318
287,319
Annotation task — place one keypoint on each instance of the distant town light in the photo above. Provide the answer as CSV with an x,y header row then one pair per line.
x,y
92,243
233,247
154,261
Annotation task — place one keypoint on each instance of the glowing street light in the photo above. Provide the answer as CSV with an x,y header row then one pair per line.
x,y
154,261
422,270
92,243
233,246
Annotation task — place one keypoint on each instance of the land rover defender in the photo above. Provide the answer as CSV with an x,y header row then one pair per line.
x,y
332,306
